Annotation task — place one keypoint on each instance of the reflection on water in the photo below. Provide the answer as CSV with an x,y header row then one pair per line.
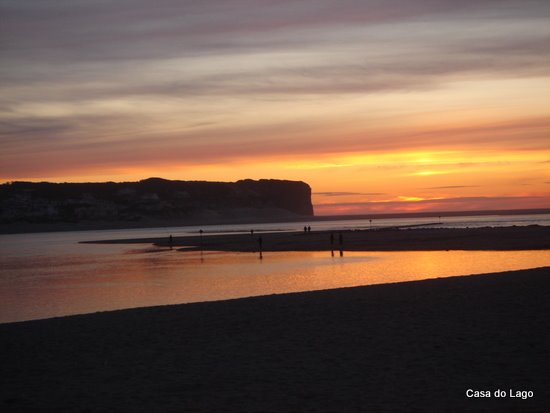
x,y
108,277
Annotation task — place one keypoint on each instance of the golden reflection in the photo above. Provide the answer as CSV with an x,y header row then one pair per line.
x,y
74,285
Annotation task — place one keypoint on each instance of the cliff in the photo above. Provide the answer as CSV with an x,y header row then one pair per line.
x,y
153,199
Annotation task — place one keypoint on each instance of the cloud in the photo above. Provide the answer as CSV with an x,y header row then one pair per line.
x,y
347,193
131,82
442,204
380,45
453,187
98,142
296,71
127,28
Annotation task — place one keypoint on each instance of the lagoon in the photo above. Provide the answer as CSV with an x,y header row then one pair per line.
x,y
58,278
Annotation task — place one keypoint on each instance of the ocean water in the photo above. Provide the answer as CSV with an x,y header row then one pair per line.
x,y
51,274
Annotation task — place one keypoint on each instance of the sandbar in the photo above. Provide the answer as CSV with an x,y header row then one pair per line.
x,y
532,237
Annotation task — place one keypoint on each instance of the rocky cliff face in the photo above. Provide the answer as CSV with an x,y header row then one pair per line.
x,y
152,198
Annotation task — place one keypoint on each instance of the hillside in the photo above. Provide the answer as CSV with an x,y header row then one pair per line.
x,y
152,199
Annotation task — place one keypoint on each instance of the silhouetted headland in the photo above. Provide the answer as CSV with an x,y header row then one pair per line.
x,y
28,206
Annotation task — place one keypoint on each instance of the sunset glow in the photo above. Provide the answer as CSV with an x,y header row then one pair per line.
x,y
381,106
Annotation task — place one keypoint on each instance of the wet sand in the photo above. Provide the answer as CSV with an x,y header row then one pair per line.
x,y
403,239
407,347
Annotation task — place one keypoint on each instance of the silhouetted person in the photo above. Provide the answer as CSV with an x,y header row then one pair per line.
x,y
260,245
305,229
251,232
200,233
332,244
341,243
308,228
170,239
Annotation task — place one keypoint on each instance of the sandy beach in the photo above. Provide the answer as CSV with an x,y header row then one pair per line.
x,y
416,346
393,239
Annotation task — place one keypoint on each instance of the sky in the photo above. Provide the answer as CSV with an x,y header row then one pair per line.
x,y
379,105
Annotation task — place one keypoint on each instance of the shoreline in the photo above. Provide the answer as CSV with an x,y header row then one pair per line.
x,y
418,239
28,227
387,347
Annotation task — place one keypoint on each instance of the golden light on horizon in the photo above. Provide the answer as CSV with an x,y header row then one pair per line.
x,y
391,181
429,173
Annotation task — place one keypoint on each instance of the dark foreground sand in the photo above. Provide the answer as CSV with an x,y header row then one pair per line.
x,y
408,347
504,238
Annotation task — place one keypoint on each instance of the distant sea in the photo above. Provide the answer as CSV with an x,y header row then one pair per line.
x,y
328,224
348,223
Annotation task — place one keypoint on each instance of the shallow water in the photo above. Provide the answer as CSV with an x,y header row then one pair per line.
x,y
50,276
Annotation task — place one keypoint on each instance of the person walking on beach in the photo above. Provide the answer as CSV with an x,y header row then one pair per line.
x,y
341,243
260,245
